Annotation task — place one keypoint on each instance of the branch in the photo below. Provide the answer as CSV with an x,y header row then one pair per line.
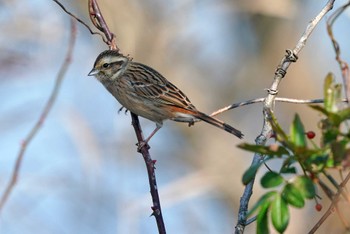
x,y
344,67
157,212
277,99
79,20
67,61
99,22
331,208
269,101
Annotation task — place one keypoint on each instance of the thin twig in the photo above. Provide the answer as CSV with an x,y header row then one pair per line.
x,y
277,99
331,208
79,20
251,220
341,217
269,101
15,173
344,67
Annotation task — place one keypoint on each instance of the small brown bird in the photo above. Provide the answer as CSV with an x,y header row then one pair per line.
x,y
146,93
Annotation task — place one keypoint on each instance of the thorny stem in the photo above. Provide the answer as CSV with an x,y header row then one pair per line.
x,y
266,131
156,208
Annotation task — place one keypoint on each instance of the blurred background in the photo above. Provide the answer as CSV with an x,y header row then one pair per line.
x,y
82,174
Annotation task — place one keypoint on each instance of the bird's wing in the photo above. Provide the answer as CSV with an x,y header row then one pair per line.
x,y
153,86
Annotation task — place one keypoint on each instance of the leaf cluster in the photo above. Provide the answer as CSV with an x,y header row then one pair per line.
x,y
296,150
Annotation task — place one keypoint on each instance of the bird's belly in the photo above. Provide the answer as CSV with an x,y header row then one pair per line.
x,y
144,108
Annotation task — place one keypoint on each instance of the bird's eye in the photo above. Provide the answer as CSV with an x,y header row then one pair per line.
x,y
105,65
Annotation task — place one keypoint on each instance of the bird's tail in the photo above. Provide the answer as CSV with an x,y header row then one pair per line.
x,y
218,123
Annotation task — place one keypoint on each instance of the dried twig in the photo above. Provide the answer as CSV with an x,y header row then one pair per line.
x,y
79,20
331,208
269,101
97,19
67,61
277,99
343,65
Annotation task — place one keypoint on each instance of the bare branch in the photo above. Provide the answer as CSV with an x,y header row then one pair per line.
x,y
277,99
156,208
331,208
67,61
79,20
344,67
100,23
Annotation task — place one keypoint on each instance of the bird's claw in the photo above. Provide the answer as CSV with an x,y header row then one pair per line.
x,y
121,108
142,144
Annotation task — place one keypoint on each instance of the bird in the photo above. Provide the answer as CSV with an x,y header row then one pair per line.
x,y
145,92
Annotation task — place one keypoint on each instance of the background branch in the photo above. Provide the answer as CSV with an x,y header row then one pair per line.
x,y
79,20
67,61
331,208
344,67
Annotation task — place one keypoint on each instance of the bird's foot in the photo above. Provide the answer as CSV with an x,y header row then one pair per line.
x,y
121,108
190,123
142,144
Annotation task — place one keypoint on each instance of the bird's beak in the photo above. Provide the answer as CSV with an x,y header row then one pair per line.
x,y
93,72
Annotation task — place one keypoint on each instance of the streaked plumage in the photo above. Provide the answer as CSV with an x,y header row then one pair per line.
x,y
145,92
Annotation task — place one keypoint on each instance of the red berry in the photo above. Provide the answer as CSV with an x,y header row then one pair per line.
x,y
318,207
310,134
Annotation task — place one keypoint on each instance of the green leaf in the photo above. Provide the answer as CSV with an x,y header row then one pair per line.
x,y
279,213
305,186
344,114
327,91
320,109
334,120
264,150
288,170
338,151
287,166
293,196
317,160
332,94
281,136
297,132
250,173
266,198
329,129
262,219
271,179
